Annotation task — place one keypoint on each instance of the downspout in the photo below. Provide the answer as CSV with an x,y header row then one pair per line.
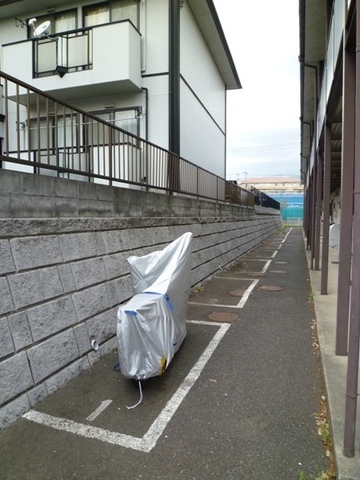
x,y
174,76
174,96
146,90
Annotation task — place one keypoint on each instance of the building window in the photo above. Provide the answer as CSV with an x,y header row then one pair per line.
x,y
59,22
96,15
111,12
53,132
126,119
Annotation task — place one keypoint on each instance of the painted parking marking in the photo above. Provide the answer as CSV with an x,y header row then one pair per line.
x,y
266,266
240,304
286,236
246,295
149,440
99,410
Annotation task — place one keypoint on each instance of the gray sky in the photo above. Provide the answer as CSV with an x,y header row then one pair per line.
x,y
263,117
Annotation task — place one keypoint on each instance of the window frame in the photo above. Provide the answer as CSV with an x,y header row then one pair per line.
x,y
108,4
52,17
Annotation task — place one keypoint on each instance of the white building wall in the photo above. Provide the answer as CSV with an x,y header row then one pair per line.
x,y
202,142
156,71
203,100
199,69
158,110
156,37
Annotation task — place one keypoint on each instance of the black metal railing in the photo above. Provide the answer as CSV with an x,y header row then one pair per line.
x,y
63,53
44,135
260,198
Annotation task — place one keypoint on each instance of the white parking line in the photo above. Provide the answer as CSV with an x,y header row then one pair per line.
x,y
241,303
149,440
99,410
246,295
288,233
266,266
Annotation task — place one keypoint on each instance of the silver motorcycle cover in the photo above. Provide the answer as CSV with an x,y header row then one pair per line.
x,y
152,325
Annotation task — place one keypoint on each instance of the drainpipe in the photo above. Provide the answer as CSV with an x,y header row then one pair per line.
x,y
354,331
174,76
174,95
146,90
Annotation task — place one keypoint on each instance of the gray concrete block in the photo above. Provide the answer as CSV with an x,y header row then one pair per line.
x,y
37,206
6,225
66,375
65,207
111,289
78,245
6,259
20,330
89,272
91,301
6,342
15,377
10,182
67,278
37,394
50,356
35,286
28,227
124,288
6,303
11,412
37,185
115,241
140,237
117,265
89,224
82,338
65,189
102,327
32,252
100,245
51,317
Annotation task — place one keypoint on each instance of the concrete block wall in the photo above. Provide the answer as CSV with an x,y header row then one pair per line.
x,y
62,278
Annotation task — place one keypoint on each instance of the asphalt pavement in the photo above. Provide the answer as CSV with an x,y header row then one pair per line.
x,y
238,402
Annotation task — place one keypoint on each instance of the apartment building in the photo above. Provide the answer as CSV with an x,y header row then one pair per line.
x,y
330,166
159,69
273,184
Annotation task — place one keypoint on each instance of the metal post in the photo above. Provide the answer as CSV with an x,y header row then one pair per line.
x,y
318,210
313,216
354,331
326,212
347,182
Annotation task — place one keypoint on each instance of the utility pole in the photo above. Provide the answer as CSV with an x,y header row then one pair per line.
x,y
246,174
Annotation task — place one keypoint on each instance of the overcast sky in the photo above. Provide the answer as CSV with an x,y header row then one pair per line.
x,y
263,131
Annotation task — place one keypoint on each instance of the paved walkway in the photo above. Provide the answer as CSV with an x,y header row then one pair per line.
x,y
334,367
238,402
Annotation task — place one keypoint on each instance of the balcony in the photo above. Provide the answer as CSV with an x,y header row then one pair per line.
x,y
86,62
